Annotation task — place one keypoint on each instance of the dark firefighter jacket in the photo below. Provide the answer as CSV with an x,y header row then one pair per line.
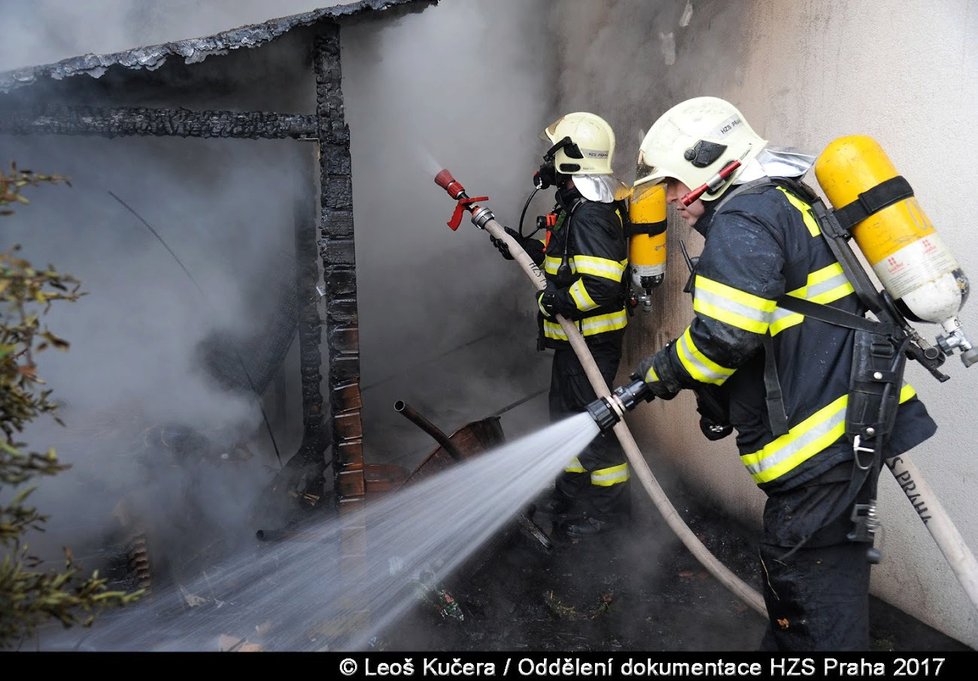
x,y
590,241
759,247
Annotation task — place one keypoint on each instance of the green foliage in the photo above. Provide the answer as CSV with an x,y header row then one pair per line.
x,y
30,596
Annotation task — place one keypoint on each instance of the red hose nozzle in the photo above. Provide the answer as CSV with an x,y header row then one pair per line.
x,y
454,188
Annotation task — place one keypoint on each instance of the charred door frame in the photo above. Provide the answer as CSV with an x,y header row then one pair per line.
x,y
335,243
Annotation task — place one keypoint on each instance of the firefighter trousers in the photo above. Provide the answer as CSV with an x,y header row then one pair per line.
x,y
596,483
816,580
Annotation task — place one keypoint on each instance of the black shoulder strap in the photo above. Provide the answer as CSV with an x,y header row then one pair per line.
x,y
833,315
752,187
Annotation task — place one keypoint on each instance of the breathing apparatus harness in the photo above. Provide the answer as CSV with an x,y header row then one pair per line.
x,y
881,348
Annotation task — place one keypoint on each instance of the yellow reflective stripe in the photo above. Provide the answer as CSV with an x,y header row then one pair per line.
x,y
732,306
586,264
906,392
581,297
600,267
823,286
551,264
613,475
543,310
805,440
574,466
804,209
799,444
651,376
783,319
699,366
602,323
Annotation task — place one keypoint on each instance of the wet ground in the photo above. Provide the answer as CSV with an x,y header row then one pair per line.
x,y
638,589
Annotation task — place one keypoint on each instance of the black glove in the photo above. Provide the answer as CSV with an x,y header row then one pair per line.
x,y
533,247
714,431
547,301
648,372
714,414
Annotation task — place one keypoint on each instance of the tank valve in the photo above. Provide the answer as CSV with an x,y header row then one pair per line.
x,y
607,411
954,339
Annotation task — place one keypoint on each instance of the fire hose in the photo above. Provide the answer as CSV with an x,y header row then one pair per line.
x,y
949,540
483,218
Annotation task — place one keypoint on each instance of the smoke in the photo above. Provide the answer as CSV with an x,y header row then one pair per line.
x,y
630,60
46,31
185,250
136,387
298,595
462,86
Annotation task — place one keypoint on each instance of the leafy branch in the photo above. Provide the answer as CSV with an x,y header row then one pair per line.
x,y
30,596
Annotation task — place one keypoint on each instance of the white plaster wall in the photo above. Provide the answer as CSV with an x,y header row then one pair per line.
x,y
903,72
804,72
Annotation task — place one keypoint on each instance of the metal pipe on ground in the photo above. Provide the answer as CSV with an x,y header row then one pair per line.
x,y
427,426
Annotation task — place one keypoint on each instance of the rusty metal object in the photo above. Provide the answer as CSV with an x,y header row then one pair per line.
x,y
383,477
469,441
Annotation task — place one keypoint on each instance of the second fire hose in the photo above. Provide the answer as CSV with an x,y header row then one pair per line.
x,y
483,218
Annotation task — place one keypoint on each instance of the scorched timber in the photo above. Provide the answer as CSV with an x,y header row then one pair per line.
x,y
123,122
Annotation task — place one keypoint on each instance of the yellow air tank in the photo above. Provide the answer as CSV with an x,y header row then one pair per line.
x,y
647,240
896,237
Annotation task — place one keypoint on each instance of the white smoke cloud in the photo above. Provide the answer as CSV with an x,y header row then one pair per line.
x,y
463,84
46,31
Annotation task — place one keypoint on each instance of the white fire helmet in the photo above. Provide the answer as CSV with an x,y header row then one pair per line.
x,y
692,141
592,148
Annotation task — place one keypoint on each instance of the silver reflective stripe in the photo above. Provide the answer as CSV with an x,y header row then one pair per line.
x,y
699,366
728,305
801,443
614,475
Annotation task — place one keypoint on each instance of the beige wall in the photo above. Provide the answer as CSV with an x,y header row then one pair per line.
x,y
804,72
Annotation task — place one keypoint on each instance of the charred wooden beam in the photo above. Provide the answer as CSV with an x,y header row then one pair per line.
x,y
310,326
121,122
336,248
342,325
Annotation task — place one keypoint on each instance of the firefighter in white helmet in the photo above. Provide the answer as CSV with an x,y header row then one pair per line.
x,y
584,255
780,378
